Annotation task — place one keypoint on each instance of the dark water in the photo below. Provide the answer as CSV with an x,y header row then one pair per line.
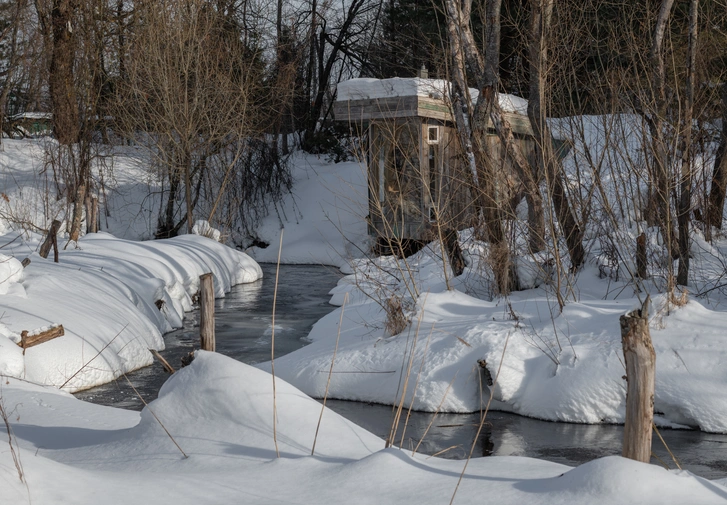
x,y
243,331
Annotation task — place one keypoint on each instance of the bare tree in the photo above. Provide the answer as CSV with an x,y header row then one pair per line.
x,y
547,163
189,86
685,197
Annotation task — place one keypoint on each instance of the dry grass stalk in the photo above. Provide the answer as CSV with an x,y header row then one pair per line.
x,y
330,373
678,300
397,416
167,367
431,421
94,357
155,417
12,444
416,385
673,457
272,348
482,419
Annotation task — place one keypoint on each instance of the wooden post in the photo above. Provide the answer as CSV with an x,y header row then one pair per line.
x,y
641,256
51,240
94,215
207,312
640,371
87,204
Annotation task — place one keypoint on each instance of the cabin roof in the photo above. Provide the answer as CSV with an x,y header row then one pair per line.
x,y
365,99
437,89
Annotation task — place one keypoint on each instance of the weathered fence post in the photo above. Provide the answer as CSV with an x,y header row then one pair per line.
x,y
641,256
91,214
51,240
640,371
207,312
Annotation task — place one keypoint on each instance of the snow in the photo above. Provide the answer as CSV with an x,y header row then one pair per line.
x,y
546,362
220,413
104,291
323,220
368,88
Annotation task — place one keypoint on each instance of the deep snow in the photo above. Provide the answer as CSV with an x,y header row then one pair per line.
x,y
557,365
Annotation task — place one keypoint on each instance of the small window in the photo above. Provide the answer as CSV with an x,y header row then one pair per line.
x,y
433,134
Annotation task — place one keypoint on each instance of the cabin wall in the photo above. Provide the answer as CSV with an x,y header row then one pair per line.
x,y
418,179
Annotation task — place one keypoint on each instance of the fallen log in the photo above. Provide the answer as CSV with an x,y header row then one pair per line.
x,y
28,340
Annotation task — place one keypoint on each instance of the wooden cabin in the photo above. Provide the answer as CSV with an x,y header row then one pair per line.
x,y
418,175
31,124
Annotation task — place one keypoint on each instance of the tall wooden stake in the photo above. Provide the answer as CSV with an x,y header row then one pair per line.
x,y
207,312
640,373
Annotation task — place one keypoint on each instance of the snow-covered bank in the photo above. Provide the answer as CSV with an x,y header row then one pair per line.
x,y
324,220
559,366
115,298
220,413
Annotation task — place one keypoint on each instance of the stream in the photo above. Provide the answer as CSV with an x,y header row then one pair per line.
x,y
243,331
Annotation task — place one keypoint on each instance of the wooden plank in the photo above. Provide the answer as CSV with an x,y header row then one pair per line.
x,y
27,340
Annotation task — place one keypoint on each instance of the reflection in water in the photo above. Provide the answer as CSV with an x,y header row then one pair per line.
x,y
504,434
244,322
243,328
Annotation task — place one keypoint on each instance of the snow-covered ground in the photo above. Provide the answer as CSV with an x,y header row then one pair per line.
x,y
115,298
547,363
324,220
219,414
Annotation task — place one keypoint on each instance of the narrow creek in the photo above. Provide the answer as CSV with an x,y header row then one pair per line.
x,y
243,331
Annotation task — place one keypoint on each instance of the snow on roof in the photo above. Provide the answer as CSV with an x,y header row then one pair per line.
x,y
368,88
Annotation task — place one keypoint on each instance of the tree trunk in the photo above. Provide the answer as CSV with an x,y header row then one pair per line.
x,y
640,372
659,211
685,196
541,15
78,205
718,189
484,174
66,124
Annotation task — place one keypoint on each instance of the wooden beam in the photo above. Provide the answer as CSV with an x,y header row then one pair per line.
x,y
27,340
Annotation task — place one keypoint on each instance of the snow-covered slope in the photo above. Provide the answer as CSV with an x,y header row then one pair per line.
x,y
220,414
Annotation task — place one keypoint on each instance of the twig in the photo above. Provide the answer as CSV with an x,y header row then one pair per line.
x,y
96,356
272,347
330,372
155,417
482,420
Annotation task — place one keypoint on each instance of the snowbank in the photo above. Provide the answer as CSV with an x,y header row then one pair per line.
x,y
559,366
323,219
114,299
220,414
